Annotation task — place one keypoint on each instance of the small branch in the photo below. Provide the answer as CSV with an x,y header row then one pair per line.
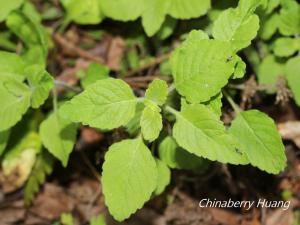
x,y
64,43
171,110
235,107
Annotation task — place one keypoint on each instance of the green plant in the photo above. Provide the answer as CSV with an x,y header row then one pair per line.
x,y
201,67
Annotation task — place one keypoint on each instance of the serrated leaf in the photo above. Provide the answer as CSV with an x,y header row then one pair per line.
x,y
269,71
40,82
83,11
201,68
151,122
94,73
284,47
7,7
289,18
58,136
259,140
163,177
14,101
106,104
292,69
129,177
178,158
200,131
232,25
157,91
4,135
42,168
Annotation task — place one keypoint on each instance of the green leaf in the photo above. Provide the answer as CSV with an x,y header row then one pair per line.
x,y
154,15
200,131
259,140
200,68
269,71
122,10
42,168
157,91
292,69
272,5
129,177
58,136
188,9
83,11
237,27
40,82
14,101
133,126
30,31
11,66
98,220
284,47
94,73
4,135
163,177
178,158
151,122
8,6
167,28
239,68
269,26
67,219
106,104
289,18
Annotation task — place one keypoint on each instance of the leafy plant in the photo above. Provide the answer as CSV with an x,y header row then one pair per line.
x,y
188,136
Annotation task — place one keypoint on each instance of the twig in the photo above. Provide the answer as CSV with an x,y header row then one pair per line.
x,y
155,62
78,51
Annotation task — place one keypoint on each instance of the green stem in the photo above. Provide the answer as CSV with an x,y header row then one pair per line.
x,y
235,107
171,110
141,99
54,100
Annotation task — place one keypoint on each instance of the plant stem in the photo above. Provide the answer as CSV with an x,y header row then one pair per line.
x,y
235,107
171,110
54,100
